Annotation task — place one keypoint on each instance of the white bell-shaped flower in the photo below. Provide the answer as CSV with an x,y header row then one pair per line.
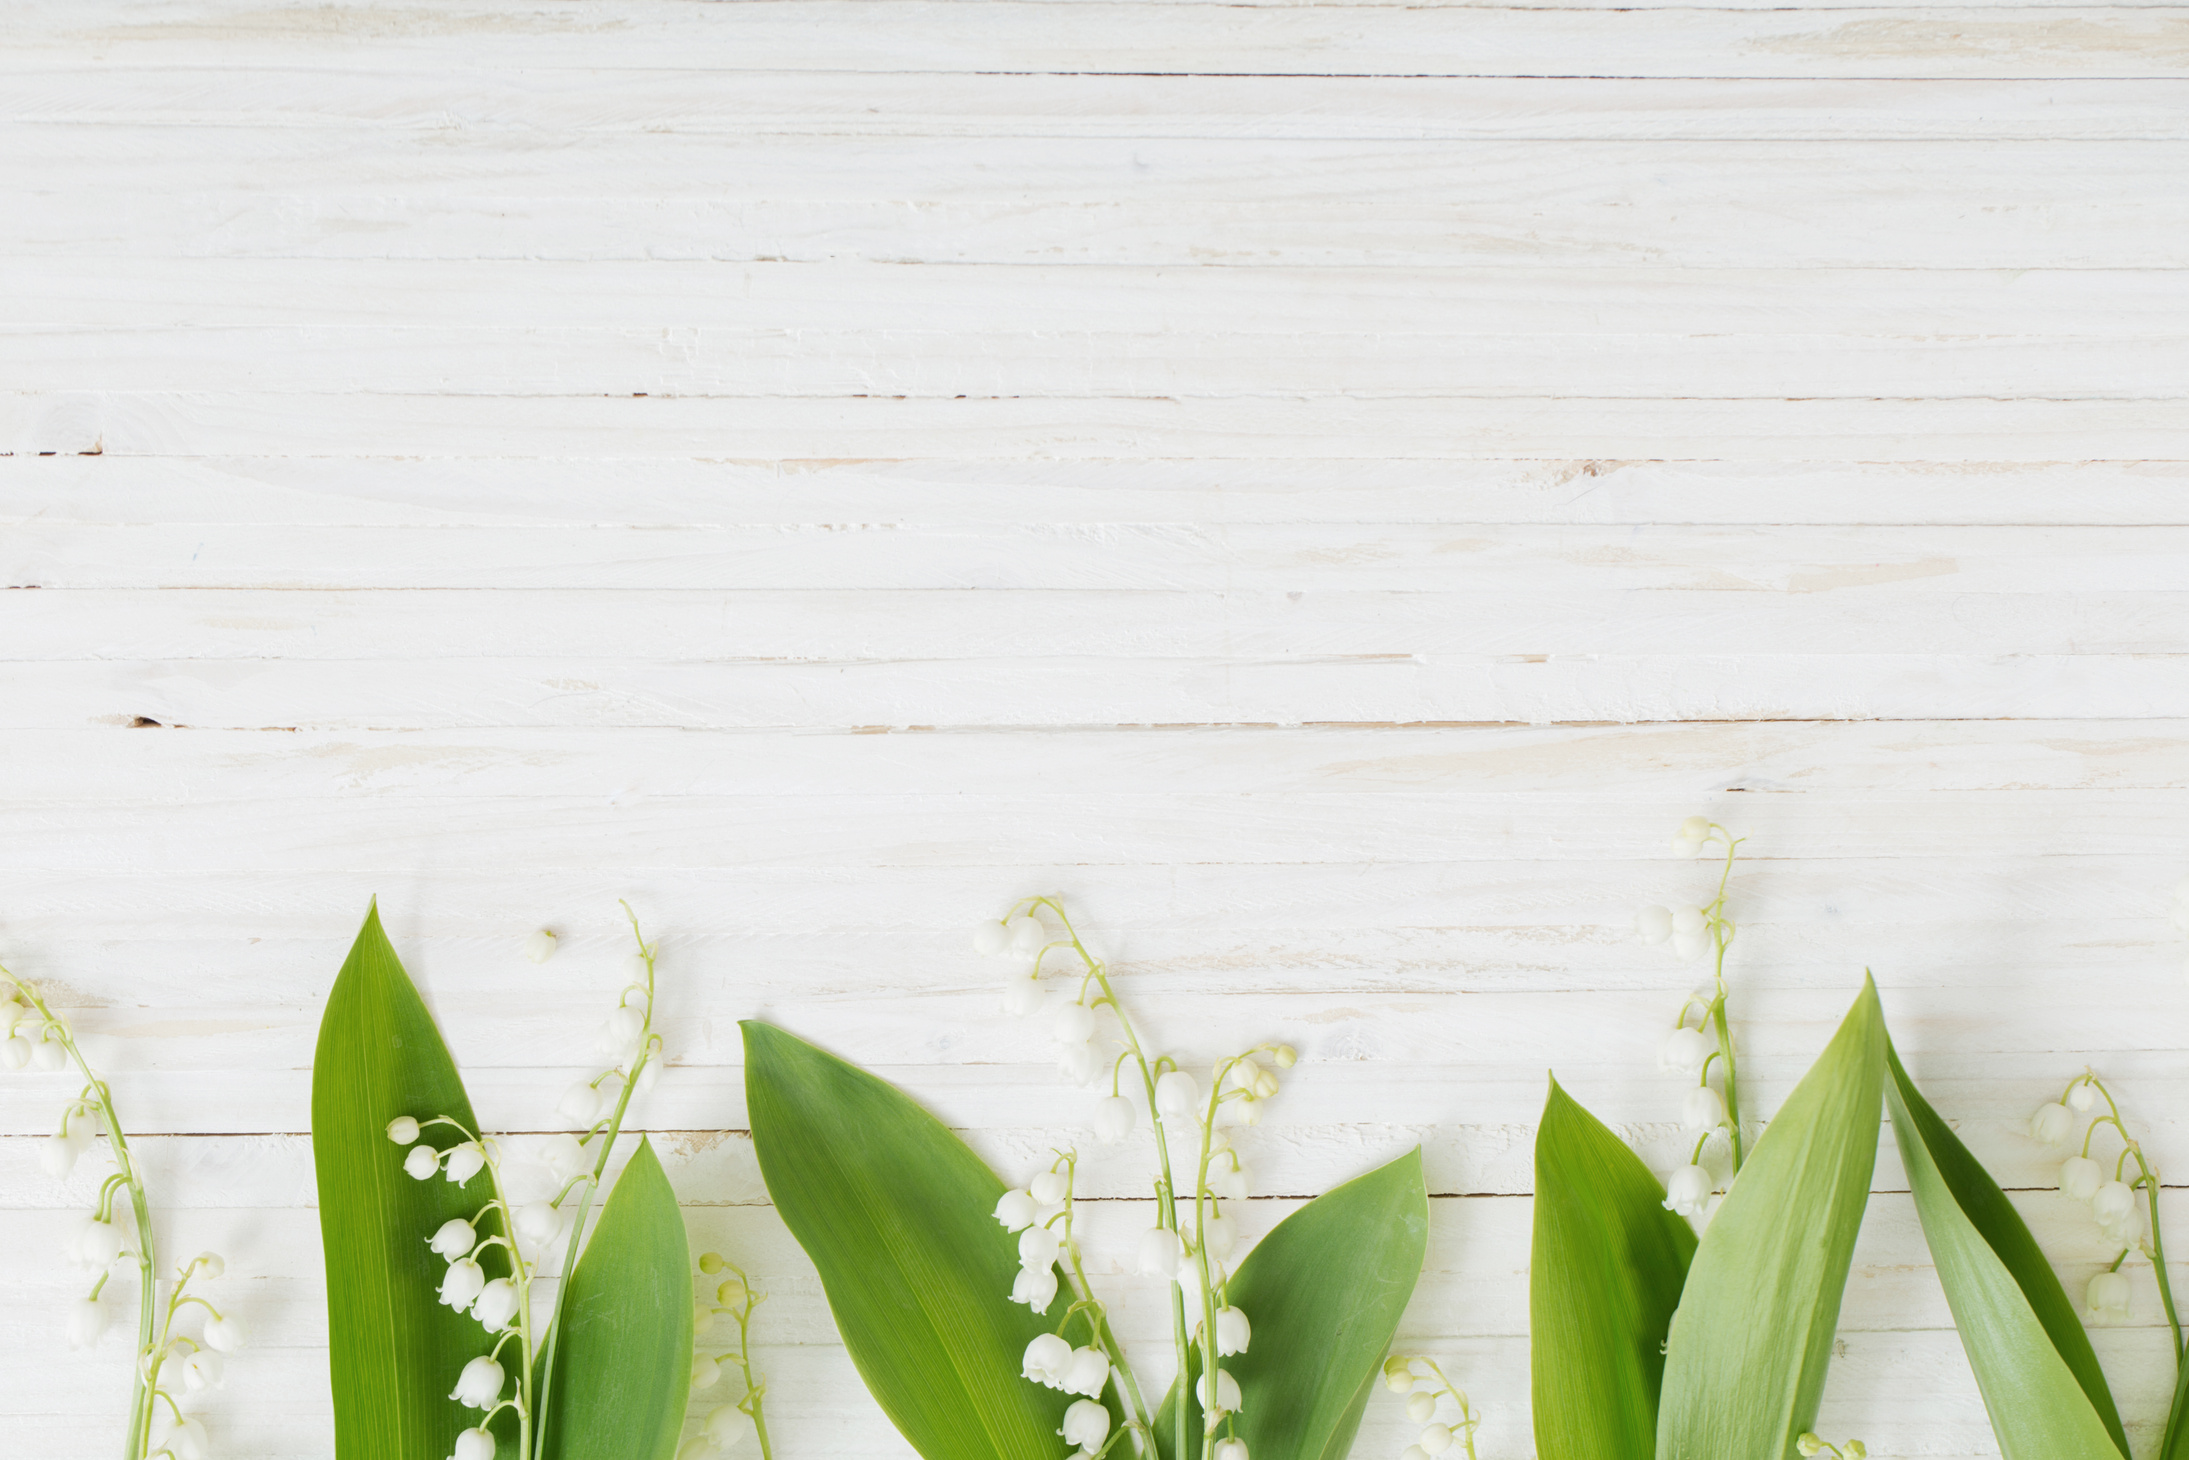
x,y
1421,1407
2126,1230
1027,935
991,939
454,1238
475,1444
1038,1246
421,1161
226,1334
2051,1122
1087,1373
1229,1180
1233,1332
1073,1024
2112,1201
210,1264
2082,1097
1231,1450
1220,1235
479,1385
1684,1050
86,1321
496,1304
539,945
464,1162
1049,1188
705,1371
1086,1424
1688,838
580,1105
15,1054
1435,1439
1687,1191
59,1154
538,1223
1178,1095
2107,1296
1159,1252
1227,1393
563,1154
1653,924
649,1074
403,1130
49,1055
2080,1177
1114,1119
98,1244
1189,1275
1035,1287
1398,1374
188,1440
462,1284
1079,1063
1047,1359
728,1426
201,1369
1703,1109
1015,1210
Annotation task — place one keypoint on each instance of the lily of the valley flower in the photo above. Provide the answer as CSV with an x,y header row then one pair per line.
x,y
2080,1177
454,1238
2051,1122
1704,1109
2107,1296
1687,1191
86,1321
1227,1394
462,1284
1086,1424
479,1385
1115,1118
474,1444
1231,1450
496,1304
1160,1252
539,945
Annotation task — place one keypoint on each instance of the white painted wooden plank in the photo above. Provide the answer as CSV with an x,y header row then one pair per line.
x,y
687,493
418,96
1097,36
252,192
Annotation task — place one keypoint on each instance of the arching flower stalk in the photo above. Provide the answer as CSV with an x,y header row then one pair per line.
x,y
727,1425
519,1231
1701,1037
2124,1218
1194,1258
33,1036
1425,1393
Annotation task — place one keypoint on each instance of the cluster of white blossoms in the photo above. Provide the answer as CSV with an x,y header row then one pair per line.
x,y
114,1234
1425,1394
726,1425
1192,1244
1700,1036
2113,1198
496,1253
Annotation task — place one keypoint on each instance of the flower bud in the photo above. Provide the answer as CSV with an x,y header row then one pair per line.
x,y
1435,1439
1421,1407
702,1320
2080,1177
464,1162
1047,1358
479,1385
1688,838
226,1335
49,1055
730,1292
210,1264
1684,1050
704,1372
539,946
1027,936
1159,1253
1086,1424
711,1263
1035,1287
1653,924
580,1105
1087,1374
1227,1393
86,1321
1704,1109
990,940
1015,1210
1231,1450
2082,1096
475,1444
403,1130
496,1304
14,1054
2112,1201
1809,1444
1114,1119
1178,1096
1074,1024
1687,1191
1049,1188
2051,1122
421,1161
2107,1296
461,1284
1285,1057
1398,1375
454,1238
728,1426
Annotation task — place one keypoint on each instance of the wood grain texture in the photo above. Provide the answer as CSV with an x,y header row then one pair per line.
x,y
1322,487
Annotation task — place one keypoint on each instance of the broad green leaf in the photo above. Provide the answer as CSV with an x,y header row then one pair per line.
x,y
623,1365
394,1351
1754,1331
1605,1275
2039,1376
897,1215
2175,1444
1323,1291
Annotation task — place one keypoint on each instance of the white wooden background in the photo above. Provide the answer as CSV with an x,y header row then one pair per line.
x,y
1326,488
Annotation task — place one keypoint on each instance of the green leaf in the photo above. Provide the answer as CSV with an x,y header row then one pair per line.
x,y
2039,1376
1754,1331
897,1215
1606,1271
1323,1291
394,1350
623,1366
